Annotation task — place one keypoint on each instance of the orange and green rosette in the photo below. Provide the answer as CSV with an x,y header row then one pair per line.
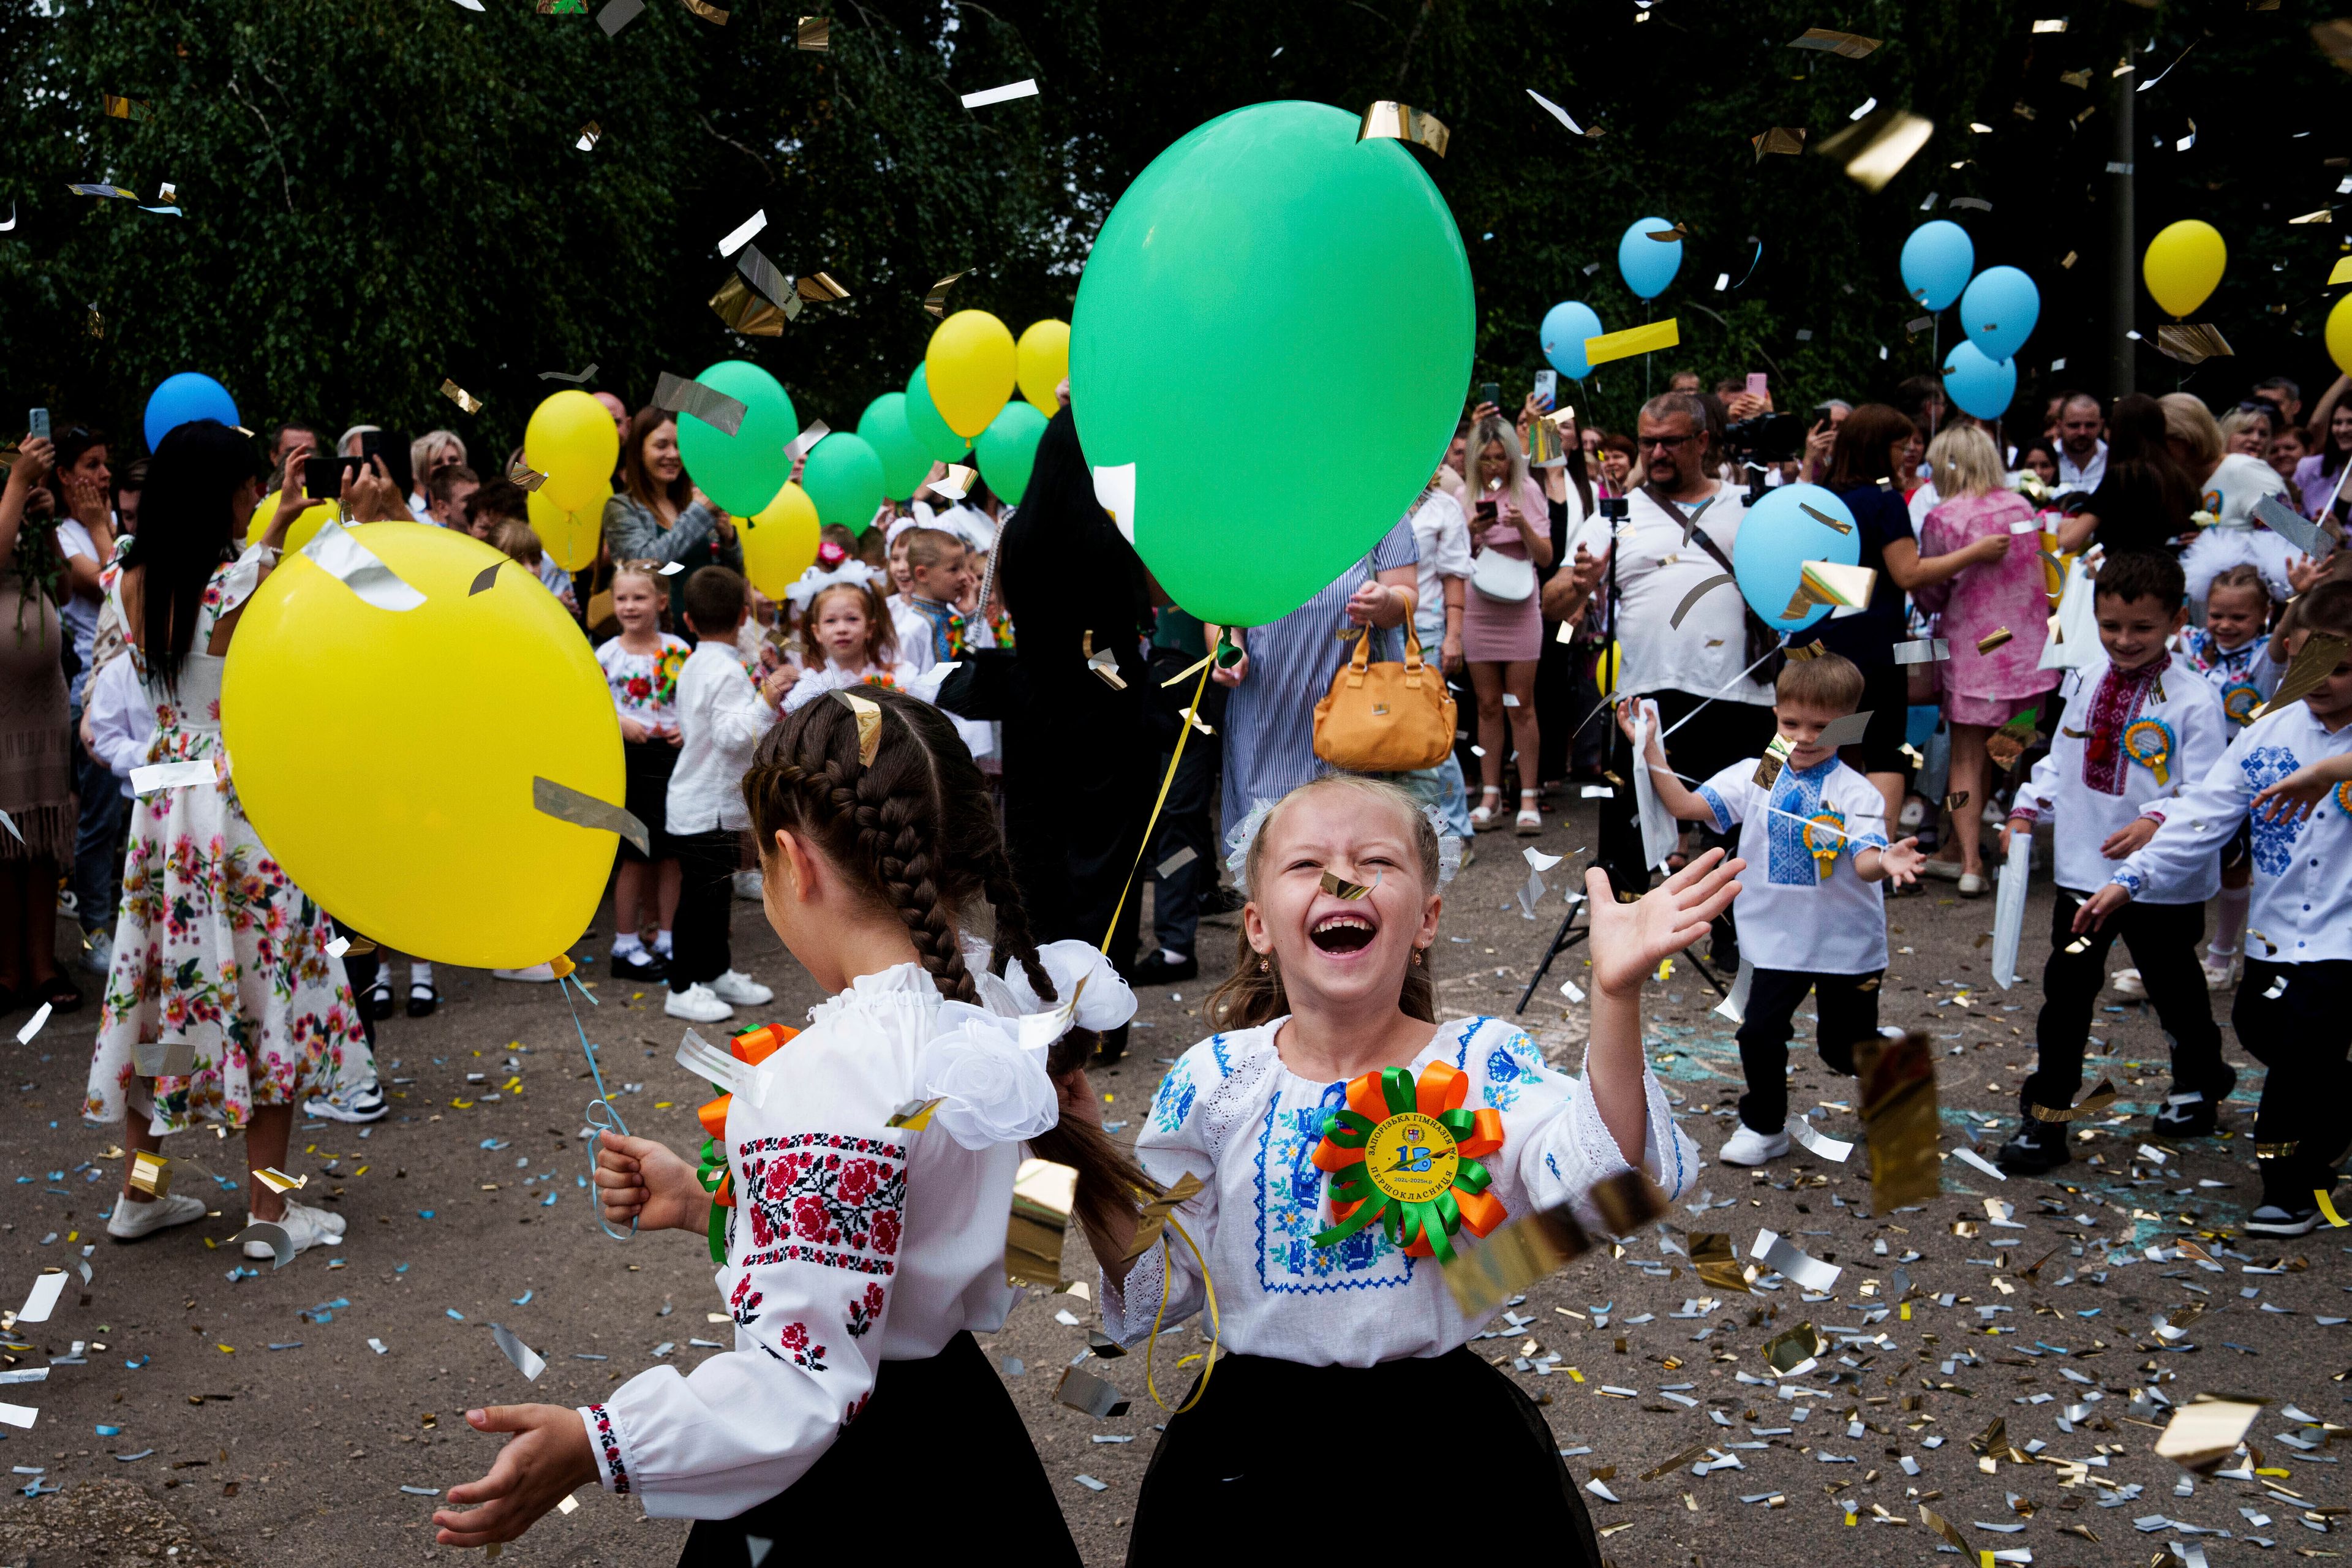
x,y
1406,1154
752,1047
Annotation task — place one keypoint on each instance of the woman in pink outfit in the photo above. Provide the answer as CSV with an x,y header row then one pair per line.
x,y
1502,638
2003,589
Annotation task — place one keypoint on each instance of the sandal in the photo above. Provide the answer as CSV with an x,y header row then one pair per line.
x,y
1529,822
60,993
1487,812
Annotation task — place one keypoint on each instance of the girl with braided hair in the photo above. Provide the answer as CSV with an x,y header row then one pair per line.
x,y
866,1244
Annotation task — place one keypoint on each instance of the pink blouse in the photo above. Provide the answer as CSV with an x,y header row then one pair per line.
x,y
2010,592
1502,534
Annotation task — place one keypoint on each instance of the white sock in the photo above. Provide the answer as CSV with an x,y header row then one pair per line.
x,y
661,944
1169,956
626,944
420,973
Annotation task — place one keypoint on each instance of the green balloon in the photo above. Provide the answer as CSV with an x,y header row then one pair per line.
x,y
931,430
843,476
905,464
1007,448
1267,252
741,472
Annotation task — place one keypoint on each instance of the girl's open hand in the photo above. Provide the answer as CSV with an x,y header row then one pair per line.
x,y
548,1462
1629,939
642,1178
1901,861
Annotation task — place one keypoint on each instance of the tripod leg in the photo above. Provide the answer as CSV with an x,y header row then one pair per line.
x,y
1561,941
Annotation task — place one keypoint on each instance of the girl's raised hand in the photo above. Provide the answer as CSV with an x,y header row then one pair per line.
x,y
2292,798
548,1462
1629,939
642,1178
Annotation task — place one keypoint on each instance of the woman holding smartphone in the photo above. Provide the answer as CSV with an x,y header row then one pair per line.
x,y
1502,632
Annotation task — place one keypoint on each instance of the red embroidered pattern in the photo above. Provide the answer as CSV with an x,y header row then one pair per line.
x,y
612,1447
799,1348
744,1302
856,1407
2113,708
863,1315
826,1198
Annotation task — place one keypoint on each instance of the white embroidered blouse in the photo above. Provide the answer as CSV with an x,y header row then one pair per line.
x,y
1232,1114
852,1243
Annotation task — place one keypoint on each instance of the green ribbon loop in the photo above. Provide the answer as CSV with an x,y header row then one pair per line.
x,y
1396,1087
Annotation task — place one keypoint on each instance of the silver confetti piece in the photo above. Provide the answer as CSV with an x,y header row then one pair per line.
x,y
566,375
571,806
281,1246
1082,1390
761,274
619,14
799,447
680,394
352,563
528,1362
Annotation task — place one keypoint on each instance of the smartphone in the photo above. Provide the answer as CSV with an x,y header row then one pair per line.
x,y
1491,391
322,478
1756,384
1486,512
1547,386
39,422
392,447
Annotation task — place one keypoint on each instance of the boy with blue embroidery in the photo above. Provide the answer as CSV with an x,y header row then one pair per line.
x,y
2233,651
2289,773
1817,919
2140,726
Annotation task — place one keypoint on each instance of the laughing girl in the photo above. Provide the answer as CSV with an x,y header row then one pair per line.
x,y
1344,1351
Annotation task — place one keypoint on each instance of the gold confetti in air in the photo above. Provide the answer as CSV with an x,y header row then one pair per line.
x,y
1780,138
1899,1119
2334,40
1673,235
915,1114
820,287
1997,638
150,1174
521,472
1341,887
869,725
2098,1100
1402,122
2206,1431
2313,663
742,308
1524,1250
1715,1264
277,1180
1873,149
711,14
2190,344
126,107
460,397
1851,45
814,34
936,301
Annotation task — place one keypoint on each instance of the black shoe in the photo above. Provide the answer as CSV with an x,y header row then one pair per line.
x,y
378,1000
2039,1146
640,965
1156,969
2189,1113
1109,1047
1221,900
2278,1219
422,999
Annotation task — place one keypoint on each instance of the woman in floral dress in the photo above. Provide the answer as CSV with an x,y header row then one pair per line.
x,y
223,1005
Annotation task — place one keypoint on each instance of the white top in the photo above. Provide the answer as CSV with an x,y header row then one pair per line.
x,y
2061,785
2242,677
1791,916
814,683
121,720
645,685
852,1243
1441,534
720,717
1232,1114
2086,478
1655,569
918,652
2302,908
78,613
2229,495
1922,501
963,520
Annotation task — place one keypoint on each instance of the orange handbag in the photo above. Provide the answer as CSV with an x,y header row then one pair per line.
x,y
1385,718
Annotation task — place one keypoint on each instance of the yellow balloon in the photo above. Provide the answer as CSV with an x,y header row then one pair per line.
x,y
970,369
571,439
1043,356
304,528
2183,264
2339,334
780,541
569,536
410,816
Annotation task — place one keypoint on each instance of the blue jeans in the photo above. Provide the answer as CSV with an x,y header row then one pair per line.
x,y
98,837
1443,788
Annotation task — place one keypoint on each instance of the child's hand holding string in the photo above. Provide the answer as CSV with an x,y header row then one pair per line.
x,y
548,1462
1629,940
642,1178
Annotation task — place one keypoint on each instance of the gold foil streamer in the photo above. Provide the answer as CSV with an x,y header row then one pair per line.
x,y
126,107
1625,343
1997,638
1082,1390
150,1174
2098,1100
681,394
1714,1262
1780,138
1673,235
1872,149
1700,592
821,288
460,397
709,12
1042,1193
745,311
1941,1526
2315,662
869,725
1154,1217
1898,1117
814,34
1341,887
2205,1432
915,1114
1532,1247
936,301
2191,344
568,805
277,1180
1402,122
1852,45
521,472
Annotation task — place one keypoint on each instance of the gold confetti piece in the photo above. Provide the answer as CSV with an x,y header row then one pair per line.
x,y
1714,1262
150,1174
1936,1522
915,1114
2315,662
709,12
1042,1193
588,136
126,107
936,301
820,287
1780,138
743,311
1899,1119
521,472
1721,579
1632,341
1874,148
460,397
277,1180
2206,1431
1402,122
1082,1390
1994,639
1341,887
2326,1203
1524,1250
1802,653
1695,1451
814,34
2097,1101
1830,583
869,725
2324,215
1769,765
1792,1348
1824,519
1154,1217
682,394
2190,344
568,805
1851,45
1673,235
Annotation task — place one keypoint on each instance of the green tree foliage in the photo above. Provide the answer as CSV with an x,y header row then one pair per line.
x,y
379,194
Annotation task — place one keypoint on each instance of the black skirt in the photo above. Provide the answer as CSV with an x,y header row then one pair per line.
x,y
937,1462
1271,1433
648,766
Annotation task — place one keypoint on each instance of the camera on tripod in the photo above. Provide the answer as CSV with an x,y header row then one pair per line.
x,y
1765,439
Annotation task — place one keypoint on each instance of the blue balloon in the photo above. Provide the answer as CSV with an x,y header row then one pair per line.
x,y
1979,385
1999,310
1776,536
1937,261
1565,327
191,395
1648,265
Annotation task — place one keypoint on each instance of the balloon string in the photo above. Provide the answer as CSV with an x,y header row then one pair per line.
x,y
1191,716
1209,1288
610,1121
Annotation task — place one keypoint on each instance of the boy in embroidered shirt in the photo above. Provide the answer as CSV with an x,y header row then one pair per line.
x,y
2289,773
2139,728
1806,925
2232,651
930,629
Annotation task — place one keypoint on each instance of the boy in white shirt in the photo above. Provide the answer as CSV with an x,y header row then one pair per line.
x,y
2233,651
2140,726
2289,773
1806,924
721,714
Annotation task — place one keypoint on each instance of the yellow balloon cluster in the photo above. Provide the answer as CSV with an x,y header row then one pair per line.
x,y
569,535
1042,355
2183,265
971,366
432,846
572,440
780,541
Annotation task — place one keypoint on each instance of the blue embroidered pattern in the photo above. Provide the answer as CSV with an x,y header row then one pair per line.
x,y
1798,792
1289,1203
1717,804
1174,1101
1511,1067
1217,1049
2274,841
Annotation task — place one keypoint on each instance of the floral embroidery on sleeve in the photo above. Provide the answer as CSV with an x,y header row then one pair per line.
x,y
612,1447
826,1198
799,1348
866,1312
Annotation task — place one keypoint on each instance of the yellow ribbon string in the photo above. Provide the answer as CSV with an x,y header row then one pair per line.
x,y
1183,734
1188,670
2327,1207
1209,1286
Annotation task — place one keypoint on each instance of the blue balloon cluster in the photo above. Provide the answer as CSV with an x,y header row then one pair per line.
x,y
191,395
1565,327
1648,265
1937,261
1999,308
1776,536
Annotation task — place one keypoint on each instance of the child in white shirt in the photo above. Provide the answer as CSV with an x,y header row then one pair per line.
x,y
847,641
2233,651
2139,728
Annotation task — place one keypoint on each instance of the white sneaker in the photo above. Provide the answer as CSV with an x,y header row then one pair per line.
x,y
99,957
537,974
1748,1147
700,1005
132,1220
2221,970
741,989
747,886
362,1103
2127,982
304,1225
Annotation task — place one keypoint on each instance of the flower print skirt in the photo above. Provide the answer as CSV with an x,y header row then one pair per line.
x,y
1262,1444
220,957
648,764
935,1460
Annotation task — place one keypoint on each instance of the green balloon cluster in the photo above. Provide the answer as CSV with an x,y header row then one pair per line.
x,y
741,472
844,476
1008,448
905,464
930,429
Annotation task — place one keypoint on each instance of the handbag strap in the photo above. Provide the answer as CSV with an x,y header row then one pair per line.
x,y
1759,632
